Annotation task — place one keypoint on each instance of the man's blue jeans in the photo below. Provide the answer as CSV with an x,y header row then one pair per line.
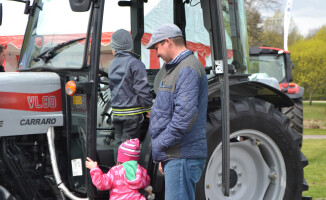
x,y
181,176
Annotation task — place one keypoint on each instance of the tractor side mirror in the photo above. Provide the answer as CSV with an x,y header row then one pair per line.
x,y
0,14
124,3
80,5
279,53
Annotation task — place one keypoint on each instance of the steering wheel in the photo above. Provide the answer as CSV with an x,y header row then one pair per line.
x,y
102,73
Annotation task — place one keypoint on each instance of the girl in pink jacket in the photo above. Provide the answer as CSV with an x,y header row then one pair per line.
x,y
124,179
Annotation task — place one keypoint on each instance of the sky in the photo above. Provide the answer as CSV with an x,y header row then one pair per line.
x,y
307,15
13,18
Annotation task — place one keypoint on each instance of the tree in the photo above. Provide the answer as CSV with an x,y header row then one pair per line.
x,y
255,20
310,56
312,32
273,34
273,31
262,4
254,27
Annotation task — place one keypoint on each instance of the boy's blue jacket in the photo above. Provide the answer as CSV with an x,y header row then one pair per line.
x,y
178,116
128,82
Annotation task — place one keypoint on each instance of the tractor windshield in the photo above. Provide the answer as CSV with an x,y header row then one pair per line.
x,y
267,66
235,34
55,36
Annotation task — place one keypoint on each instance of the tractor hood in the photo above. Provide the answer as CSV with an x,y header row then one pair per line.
x,y
30,102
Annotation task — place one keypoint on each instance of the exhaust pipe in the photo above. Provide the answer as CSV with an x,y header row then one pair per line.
x,y
60,184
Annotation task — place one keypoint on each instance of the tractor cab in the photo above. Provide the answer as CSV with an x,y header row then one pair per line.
x,y
273,67
273,64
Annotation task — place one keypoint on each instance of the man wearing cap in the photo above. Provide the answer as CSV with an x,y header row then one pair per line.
x,y
130,91
178,116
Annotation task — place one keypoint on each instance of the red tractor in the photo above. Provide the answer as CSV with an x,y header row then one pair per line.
x,y
273,66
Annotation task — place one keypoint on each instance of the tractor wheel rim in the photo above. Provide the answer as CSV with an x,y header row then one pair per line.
x,y
258,164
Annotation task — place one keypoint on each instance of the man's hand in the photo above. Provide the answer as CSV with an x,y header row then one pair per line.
x,y
90,164
148,114
160,168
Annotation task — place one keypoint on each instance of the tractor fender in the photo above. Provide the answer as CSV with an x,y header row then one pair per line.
x,y
253,89
297,95
261,91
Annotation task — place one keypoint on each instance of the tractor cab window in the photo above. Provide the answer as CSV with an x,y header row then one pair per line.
x,y
267,66
236,34
54,37
234,23
156,13
197,36
115,17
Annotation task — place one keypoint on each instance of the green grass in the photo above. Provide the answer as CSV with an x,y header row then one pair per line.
x,y
315,150
314,131
314,116
317,111
315,174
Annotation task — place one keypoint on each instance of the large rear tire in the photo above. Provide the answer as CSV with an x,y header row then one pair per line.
x,y
296,116
265,159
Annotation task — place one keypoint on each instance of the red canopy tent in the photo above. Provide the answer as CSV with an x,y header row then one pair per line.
x,y
14,44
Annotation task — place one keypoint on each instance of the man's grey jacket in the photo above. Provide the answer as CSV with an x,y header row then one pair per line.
x,y
178,116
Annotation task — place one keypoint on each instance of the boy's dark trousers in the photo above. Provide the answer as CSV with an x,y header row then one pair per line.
x,y
126,127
